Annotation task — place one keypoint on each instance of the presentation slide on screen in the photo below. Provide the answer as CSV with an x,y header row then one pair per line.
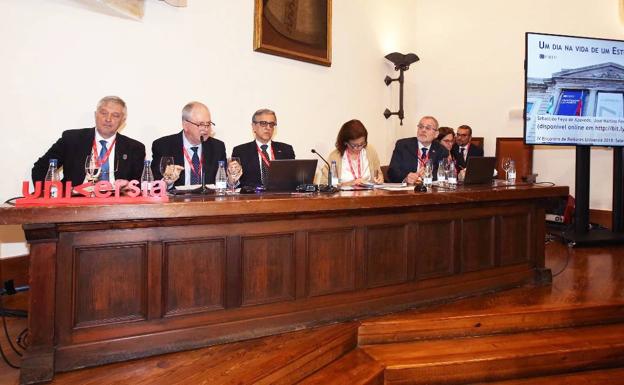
x,y
574,91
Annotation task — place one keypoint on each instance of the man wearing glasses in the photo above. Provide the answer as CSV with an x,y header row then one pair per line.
x,y
119,156
411,154
256,156
194,148
463,149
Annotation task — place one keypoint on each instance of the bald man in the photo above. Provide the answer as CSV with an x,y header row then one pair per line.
x,y
411,154
188,150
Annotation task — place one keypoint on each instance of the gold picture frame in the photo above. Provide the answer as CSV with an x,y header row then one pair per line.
x,y
296,29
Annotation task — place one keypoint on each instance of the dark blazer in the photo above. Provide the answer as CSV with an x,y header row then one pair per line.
x,y
405,158
171,145
72,149
248,154
473,150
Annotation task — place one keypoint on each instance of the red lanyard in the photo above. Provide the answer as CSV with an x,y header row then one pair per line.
x,y
421,161
99,161
190,162
359,174
264,158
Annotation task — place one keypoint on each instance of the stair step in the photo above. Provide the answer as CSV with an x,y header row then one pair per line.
x,y
500,357
355,368
418,326
282,359
592,377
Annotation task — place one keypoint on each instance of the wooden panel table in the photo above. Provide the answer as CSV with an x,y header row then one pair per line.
x,y
112,283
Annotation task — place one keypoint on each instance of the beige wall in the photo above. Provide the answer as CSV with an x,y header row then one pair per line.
x,y
61,56
471,71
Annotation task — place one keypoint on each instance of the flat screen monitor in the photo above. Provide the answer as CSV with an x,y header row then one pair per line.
x,y
574,91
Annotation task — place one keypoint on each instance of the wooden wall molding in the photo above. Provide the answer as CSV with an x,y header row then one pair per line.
x,y
115,291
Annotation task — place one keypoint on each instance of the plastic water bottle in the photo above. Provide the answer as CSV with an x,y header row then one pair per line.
x,y
53,176
221,179
334,172
441,172
452,175
511,173
146,176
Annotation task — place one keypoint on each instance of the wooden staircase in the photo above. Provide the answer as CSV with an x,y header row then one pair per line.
x,y
486,340
493,344
571,332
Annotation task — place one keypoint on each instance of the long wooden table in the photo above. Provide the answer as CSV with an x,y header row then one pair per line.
x,y
112,283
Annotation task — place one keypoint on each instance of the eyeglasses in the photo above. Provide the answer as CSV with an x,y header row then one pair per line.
x,y
427,127
264,123
204,125
449,141
356,146
463,135
106,114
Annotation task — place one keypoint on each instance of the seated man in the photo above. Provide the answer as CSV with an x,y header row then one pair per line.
x,y
463,149
120,157
256,155
411,154
188,150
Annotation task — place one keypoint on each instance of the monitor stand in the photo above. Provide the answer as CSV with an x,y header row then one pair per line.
x,y
581,234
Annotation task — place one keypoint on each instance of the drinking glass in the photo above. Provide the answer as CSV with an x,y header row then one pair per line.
x,y
506,164
164,162
234,172
167,162
442,171
428,175
92,170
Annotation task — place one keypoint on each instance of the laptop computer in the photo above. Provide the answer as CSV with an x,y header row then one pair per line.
x,y
480,170
287,174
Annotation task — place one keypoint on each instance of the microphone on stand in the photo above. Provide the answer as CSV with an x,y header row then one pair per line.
x,y
204,189
329,188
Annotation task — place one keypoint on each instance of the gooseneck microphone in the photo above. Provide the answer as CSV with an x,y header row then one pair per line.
x,y
329,187
204,189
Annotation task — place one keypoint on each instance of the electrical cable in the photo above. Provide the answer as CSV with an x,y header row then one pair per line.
x,y
15,313
9,201
6,332
565,266
6,359
22,339
548,184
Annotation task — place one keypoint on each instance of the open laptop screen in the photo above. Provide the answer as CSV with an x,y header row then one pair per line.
x,y
287,174
480,170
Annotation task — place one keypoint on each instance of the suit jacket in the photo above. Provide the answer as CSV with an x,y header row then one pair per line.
x,y
473,150
72,149
213,151
405,158
248,154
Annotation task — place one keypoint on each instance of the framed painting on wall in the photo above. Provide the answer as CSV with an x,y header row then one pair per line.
x,y
296,29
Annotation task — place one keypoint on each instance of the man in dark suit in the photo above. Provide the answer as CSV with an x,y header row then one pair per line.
x,y
256,155
463,149
120,157
194,148
411,154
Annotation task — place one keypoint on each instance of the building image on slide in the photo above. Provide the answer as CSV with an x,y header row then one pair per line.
x,y
596,90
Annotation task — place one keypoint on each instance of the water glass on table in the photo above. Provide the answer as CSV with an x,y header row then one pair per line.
x,y
92,170
234,172
505,165
169,171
